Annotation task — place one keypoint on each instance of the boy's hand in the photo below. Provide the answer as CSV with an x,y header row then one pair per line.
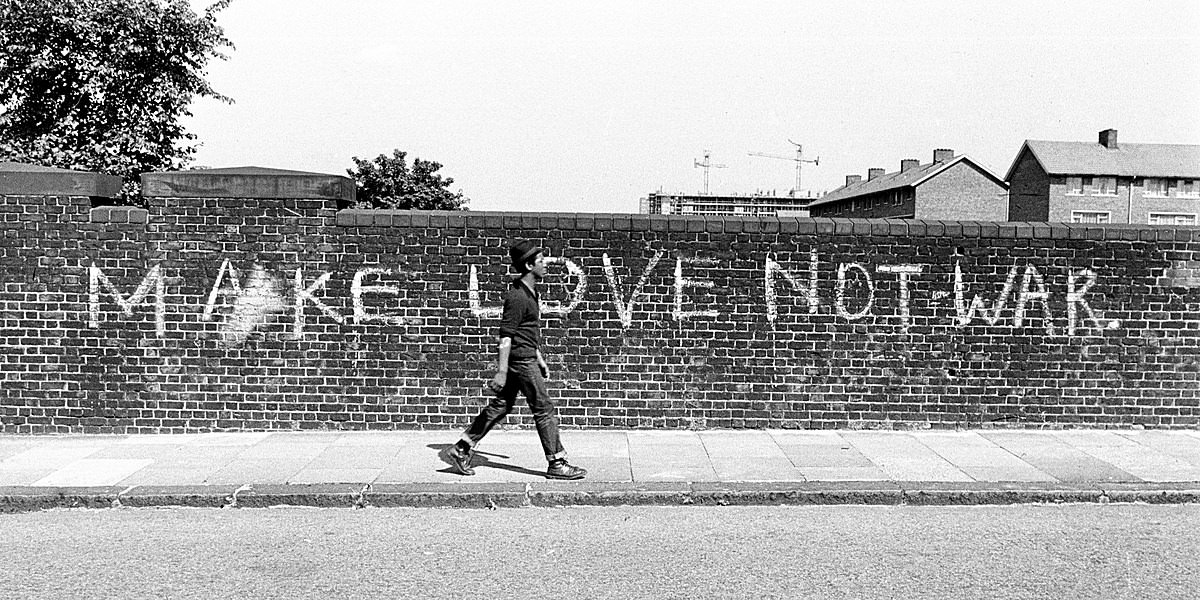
x,y
496,385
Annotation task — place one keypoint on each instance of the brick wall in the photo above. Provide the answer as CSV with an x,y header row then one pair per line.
x,y
226,313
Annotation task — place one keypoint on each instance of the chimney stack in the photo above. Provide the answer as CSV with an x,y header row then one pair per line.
x,y
908,163
1108,139
942,155
852,179
873,173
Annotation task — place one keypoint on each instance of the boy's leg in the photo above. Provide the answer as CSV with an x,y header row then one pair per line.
x,y
545,417
459,455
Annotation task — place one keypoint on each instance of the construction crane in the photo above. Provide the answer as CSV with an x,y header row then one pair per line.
x,y
798,159
706,164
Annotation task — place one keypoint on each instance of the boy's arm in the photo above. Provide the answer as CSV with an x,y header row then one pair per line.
x,y
501,377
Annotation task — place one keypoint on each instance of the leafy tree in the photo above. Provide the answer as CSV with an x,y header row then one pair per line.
x,y
101,85
388,182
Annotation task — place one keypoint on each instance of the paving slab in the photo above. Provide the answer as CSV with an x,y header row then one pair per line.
x,y
776,468
810,456
350,457
1176,444
980,458
201,457
786,437
346,475
1145,463
902,457
173,439
274,471
1055,457
14,476
740,444
284,450
10,447
166,476
1139,460
612,444
248,438
50,456
669,456
868,473
91,472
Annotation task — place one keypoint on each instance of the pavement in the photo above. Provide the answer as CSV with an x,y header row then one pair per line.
x,y
710,467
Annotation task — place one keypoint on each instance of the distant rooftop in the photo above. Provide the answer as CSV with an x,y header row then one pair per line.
x,y
1125,160
910,177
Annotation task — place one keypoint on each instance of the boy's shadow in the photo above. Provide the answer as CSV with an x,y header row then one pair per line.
x,y
481,459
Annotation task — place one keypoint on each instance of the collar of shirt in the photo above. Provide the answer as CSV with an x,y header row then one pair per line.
x,y
532,292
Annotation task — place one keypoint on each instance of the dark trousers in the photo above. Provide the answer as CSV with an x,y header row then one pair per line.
x,y
525,377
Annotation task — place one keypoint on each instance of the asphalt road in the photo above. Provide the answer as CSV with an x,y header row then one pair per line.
x,y
1070,551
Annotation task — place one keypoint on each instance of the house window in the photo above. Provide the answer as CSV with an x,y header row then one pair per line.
x,y
1172,219
1074,186
1089,216
1188,188
1105,186
1157,187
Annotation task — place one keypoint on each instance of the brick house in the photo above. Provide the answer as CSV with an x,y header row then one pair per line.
x,y
949,188
1105,182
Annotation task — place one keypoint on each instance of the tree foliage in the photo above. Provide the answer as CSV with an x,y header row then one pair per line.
x,y
101,85
388,182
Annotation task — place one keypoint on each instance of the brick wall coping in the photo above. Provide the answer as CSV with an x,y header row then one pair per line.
x,y
247,182
119,214
735,224
20,179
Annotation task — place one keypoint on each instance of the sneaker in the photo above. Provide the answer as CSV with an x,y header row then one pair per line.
x,y
458,460
560,469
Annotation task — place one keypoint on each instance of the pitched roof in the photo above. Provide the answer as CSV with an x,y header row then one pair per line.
x,y
1126,160
889,181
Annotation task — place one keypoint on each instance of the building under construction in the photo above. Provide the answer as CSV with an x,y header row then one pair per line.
x,y
658,203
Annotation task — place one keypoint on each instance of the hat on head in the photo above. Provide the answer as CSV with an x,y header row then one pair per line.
x,y
521,251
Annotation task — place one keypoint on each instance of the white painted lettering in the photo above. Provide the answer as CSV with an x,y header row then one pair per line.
x,y
152,283
625,307
682,282
473,301
966,314
357,289
840,302
1038,294
904,272
303,293
556,308
770,268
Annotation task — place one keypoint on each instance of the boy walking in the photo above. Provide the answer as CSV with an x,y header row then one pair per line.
x,y
521,368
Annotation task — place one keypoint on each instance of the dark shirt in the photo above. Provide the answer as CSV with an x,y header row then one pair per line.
x,y
520,320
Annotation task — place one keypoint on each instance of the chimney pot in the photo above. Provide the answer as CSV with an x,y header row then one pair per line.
x,y
1108,139
942,154
908,163
851,179
873,173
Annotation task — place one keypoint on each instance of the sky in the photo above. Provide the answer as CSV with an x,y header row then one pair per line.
x,y
574,107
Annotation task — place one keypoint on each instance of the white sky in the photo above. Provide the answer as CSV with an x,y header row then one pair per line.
x,y
557,106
